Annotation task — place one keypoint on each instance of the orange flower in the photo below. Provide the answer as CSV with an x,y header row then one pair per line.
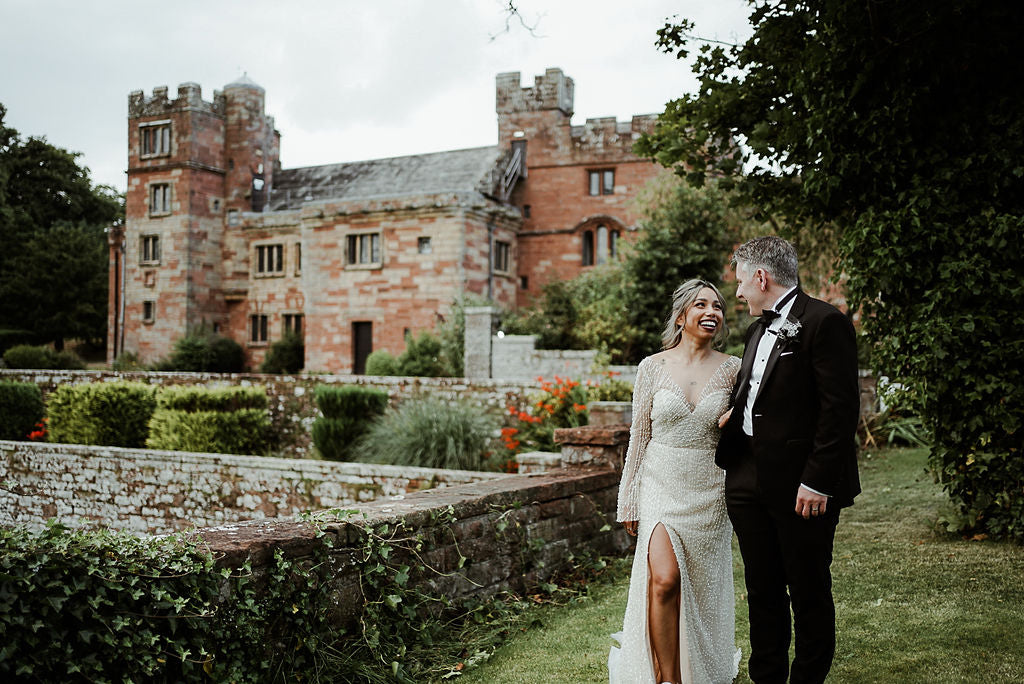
x,y
579,407
508,432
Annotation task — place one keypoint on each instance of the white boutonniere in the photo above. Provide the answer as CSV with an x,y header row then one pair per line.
x,y
789,330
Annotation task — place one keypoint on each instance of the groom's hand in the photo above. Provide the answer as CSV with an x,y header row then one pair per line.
x,y
810,504
630,526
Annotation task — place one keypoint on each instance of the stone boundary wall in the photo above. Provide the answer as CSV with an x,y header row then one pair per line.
x,y
512,532
157,492
515,357
290,397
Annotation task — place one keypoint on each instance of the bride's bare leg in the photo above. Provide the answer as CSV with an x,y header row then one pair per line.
x,y
663,605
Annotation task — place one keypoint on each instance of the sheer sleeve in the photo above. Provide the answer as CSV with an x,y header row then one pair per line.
x,y
639,436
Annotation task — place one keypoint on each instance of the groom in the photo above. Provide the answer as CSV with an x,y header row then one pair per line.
x,y
789,452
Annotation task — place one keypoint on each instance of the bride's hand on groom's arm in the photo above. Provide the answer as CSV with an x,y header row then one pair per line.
x,y
724,418
630,526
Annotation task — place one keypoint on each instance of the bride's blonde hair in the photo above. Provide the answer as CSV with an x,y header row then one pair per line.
x,y
682,299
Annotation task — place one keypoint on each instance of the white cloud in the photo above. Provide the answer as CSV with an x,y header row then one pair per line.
x,y
344,80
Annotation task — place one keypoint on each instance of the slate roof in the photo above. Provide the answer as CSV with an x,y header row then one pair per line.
x,y
439,172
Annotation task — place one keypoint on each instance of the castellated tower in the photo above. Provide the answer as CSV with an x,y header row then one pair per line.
x,y
190,162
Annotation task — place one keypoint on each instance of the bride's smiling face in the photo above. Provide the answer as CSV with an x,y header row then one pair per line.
x,y
704,317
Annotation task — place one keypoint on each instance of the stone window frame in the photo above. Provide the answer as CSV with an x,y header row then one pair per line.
x,y
159,195
502,260
601,182
424,245
148,311
259,329
357,239
599,244
263,254
155,139
297,258
149,249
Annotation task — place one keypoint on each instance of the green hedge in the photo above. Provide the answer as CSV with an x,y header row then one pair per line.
x,y
347,413
223,420
287,355
199,398
42,358
109,413
21,407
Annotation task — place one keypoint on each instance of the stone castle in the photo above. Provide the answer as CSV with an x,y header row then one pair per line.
x,y
356,255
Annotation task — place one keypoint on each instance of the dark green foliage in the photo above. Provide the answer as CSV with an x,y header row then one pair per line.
x,y
347,413
286,355
53,251
108,606
204,351
381,362
42,358
587,312
223,420
432,433
422,356
21,407
893,123
108,413
687,234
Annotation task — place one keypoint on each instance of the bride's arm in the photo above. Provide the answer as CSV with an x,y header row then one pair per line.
x,y
639,436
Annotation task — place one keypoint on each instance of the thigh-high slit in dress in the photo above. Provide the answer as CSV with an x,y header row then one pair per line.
x,y
670,477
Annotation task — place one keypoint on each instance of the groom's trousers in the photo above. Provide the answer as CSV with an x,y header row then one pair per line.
x,y
787,563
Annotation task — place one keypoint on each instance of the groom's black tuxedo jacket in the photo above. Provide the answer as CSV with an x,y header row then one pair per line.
x,y
806,411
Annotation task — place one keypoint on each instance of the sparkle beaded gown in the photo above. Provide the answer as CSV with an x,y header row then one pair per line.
x,y
670,477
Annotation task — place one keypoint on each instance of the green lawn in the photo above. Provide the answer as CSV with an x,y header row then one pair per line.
x,y
913,604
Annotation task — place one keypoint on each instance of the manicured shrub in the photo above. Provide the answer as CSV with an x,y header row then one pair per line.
x,y
42,358
381,362
422,356
30,357
609,389
109,413
347,413
222,420
287,355
203,351
432,433
21,409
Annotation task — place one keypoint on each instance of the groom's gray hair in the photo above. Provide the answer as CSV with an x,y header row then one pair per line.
x,y
773,254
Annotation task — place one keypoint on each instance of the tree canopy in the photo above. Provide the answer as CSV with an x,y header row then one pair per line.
x,y
892,123
53,258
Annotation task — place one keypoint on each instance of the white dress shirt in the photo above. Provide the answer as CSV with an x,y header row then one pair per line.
x,y
761,354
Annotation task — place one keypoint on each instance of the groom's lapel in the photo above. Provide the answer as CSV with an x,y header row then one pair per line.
x,y
795,312
749,352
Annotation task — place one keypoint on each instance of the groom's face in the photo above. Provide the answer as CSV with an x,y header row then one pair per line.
x,y
748,288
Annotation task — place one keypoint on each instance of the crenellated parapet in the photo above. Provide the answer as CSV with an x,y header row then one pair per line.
x,y
606,133
553,90
190,97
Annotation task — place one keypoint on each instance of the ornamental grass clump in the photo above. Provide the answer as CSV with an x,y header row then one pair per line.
x,y
223,420
347,413
432,433
107,413
21,409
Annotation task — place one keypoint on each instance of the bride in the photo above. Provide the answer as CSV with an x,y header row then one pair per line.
x,y
679,615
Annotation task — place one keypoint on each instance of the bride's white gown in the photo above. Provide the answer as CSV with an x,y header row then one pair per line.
x,y
670,477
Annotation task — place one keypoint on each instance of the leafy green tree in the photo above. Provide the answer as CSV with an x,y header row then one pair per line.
x,y
53,264
687,233
891,123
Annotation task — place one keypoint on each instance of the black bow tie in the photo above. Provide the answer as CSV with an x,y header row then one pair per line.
x,y
768,315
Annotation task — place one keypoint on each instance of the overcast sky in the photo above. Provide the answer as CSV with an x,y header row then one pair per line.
x,y
345,80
